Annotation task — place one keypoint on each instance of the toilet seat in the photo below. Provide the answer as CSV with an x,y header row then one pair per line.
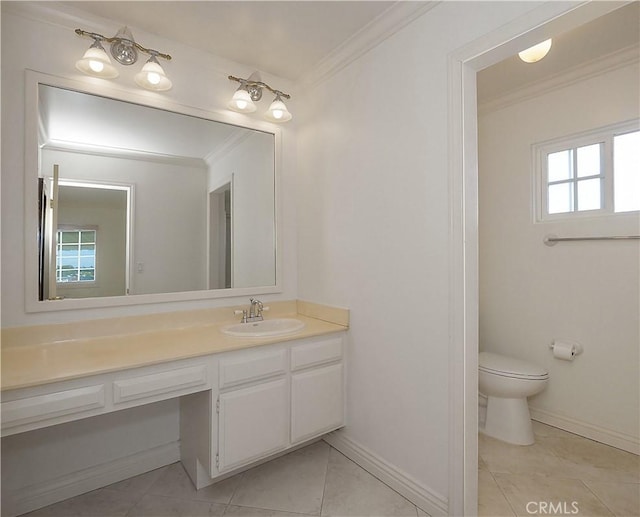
x,y
504,366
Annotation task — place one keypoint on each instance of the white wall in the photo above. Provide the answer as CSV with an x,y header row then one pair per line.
x,y
374,231
53,457
52,47
253,208
588,292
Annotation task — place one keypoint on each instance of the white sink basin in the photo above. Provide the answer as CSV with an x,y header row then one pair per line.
x,y
270,327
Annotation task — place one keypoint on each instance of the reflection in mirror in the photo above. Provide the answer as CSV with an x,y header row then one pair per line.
x,y
147,201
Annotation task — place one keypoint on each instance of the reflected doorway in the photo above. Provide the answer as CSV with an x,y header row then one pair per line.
x,y
83,239
220,238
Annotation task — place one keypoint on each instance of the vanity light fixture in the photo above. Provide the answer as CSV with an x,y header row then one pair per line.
x,y
250,91
535,53
124,50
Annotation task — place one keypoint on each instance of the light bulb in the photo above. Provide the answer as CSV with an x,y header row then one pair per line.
x,y
96,62
96,66
242,102
152,76
278,112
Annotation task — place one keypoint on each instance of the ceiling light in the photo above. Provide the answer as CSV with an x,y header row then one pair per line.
x,y
124,49
250,91
535,53
152,76
96,62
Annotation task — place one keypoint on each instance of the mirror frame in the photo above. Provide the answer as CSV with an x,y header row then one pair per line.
x,y
32,167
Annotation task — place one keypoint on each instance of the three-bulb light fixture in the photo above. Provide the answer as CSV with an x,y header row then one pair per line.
x,y
250,91
124,49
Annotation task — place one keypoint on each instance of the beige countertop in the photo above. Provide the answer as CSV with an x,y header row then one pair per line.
x,y
28,365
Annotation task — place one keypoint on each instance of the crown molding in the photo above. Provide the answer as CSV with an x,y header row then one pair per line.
x,y
227,146
602,65
399,15
123,153
55,13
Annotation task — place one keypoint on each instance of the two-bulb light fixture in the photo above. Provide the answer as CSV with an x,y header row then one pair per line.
x,y
250,91
124,49
535,53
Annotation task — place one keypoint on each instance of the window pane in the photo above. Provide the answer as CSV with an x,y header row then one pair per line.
x,y
626,175
87,262
589,160
560,198
87,275
69,251
88,236
69,276
589,197
68,237
559,166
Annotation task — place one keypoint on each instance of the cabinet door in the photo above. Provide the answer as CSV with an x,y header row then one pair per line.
x,y
317,402
253,423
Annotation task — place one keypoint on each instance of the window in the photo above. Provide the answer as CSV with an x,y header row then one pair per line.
x,y
76,255
590,174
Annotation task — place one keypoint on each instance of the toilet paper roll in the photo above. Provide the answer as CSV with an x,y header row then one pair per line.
x,y
565,351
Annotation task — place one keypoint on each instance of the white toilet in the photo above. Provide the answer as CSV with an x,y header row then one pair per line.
x,y
507,382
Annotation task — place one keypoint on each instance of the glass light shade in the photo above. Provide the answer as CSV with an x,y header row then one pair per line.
x,y
535,53
277,112
96,62
152,77
241,102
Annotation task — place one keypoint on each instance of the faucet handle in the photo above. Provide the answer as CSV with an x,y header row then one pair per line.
x,y
244,314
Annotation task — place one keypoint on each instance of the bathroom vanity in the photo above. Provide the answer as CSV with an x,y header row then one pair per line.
x,y
242,400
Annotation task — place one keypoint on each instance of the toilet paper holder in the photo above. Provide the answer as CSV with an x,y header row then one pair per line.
x,y
562,348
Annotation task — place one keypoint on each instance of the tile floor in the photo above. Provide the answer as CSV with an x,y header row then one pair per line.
x,y
577,476
315,480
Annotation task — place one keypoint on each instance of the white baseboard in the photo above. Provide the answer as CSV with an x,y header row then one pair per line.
x,y
600,434
36,496
424,498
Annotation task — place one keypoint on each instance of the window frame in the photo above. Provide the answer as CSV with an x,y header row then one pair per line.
x,y
78,283
604,136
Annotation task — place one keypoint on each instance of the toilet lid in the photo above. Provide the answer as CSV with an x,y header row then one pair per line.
x,y
510,367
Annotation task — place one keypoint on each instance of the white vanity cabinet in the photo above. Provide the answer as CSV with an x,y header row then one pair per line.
x,y
317,388
237,408
269,399
252,407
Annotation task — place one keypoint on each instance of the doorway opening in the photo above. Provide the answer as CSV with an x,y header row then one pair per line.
x,y
537,25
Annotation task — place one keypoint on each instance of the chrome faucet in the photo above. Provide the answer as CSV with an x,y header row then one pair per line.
x,y
254,313
255,310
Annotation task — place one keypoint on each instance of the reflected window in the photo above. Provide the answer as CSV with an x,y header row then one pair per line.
x,y
76,256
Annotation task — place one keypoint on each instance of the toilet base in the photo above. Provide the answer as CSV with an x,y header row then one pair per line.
x,y
509,420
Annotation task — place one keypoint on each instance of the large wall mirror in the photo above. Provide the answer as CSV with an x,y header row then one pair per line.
x,y
136,203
